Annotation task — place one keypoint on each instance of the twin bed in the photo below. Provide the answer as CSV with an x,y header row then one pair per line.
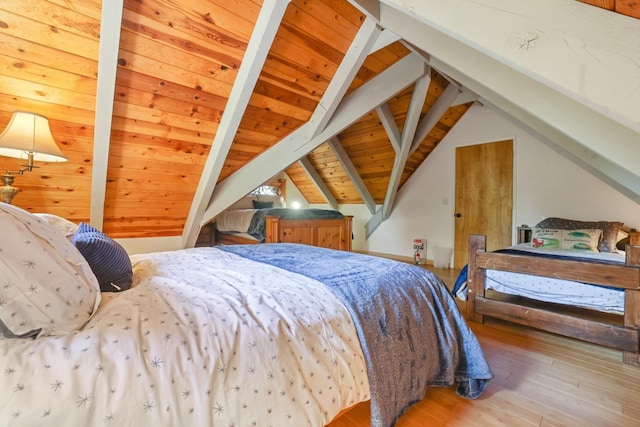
x,y
274,334
261,217
592,295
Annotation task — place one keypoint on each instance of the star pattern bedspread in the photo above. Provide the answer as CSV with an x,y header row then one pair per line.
x,y
252,347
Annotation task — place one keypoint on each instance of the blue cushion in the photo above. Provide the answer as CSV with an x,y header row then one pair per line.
x,y
108,260
257,204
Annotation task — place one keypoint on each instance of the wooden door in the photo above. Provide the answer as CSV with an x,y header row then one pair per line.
x,y
484,196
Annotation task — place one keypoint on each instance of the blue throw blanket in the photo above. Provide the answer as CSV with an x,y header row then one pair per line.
x,y
257,226
410,329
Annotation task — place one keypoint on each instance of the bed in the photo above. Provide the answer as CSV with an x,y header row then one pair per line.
x,y
274,334
261,218
588,295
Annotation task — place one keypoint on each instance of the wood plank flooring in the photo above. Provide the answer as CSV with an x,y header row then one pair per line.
x,y
541,379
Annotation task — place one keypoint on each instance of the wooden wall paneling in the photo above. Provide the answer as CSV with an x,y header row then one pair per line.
x,y
45,75
90,8
52,59
165,71
233,17
48,24
201,112
316,33
159,131
175,91
50,94
166,25
273,95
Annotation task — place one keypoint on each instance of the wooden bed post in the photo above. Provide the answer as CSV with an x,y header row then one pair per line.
x,y
475,277
632,305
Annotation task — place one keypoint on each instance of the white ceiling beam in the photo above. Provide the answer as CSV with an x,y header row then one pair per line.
x,y
319,182
352,173
442,104
347,70
384,39
408,132
389,124
358,103
110,21
262,37
464,97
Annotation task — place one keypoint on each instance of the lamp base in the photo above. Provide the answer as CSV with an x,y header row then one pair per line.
x,y
8,191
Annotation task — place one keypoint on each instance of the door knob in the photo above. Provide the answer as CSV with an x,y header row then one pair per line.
x,y
458,215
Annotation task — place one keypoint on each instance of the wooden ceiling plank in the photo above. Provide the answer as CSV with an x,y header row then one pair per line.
x,y
319,182
107,68
258,48
434,114
294,146
348,68
352,173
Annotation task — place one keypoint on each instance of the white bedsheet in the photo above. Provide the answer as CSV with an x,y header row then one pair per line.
x,y
255,346
556,290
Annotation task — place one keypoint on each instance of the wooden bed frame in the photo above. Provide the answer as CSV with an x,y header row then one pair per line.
x,y
333,233
621,332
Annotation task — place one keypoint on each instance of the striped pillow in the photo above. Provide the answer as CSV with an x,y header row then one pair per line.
x,y
108,260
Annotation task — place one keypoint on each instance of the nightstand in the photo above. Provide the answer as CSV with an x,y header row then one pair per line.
x,y
524,234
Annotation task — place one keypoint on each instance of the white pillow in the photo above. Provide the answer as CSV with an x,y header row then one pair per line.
x,y
61,224
46,285
581,240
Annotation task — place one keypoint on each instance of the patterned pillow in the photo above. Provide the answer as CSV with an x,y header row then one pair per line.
x,y
547,238
47,286
581,240
609,230
63,225
108,260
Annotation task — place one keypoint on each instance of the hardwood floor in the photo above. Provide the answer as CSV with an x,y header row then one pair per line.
x,y
540,379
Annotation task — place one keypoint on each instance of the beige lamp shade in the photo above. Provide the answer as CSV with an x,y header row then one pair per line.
x,y
29,133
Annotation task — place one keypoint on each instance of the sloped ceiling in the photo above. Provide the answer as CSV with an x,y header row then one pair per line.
x,y
169,111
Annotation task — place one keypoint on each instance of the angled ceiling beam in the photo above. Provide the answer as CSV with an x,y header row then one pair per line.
x,y
319,182
408,131
110,21
465,96
352,173
349,67
358,103
389,124
442,104
411,122
385,39
262,37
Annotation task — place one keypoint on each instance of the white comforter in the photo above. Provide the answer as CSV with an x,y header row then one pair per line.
x,y
203,338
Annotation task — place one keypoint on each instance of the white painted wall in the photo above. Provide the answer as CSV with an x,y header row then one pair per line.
x,y
545,184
